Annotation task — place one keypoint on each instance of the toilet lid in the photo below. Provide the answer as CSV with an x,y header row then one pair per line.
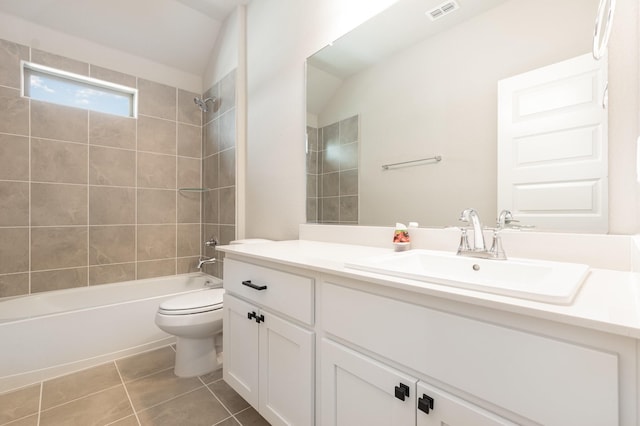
x,y
193,303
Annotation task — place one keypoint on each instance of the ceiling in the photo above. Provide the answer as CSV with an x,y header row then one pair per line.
x,y
177,33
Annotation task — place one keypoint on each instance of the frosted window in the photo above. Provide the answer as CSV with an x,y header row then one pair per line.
x,y
64,88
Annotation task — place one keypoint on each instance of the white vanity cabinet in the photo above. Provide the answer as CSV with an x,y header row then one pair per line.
x,y
534,379
374,394
268,341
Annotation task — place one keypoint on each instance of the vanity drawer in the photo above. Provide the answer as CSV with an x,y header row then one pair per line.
x,y
284,292
540,378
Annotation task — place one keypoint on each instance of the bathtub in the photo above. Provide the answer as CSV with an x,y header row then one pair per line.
x,y
45,335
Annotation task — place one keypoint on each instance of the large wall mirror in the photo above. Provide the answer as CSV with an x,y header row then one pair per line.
x,y
420,85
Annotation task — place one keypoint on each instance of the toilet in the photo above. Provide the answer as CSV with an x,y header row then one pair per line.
x,y
196,321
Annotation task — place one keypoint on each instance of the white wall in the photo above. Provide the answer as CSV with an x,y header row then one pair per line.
x,y
39,37
224,57
282,33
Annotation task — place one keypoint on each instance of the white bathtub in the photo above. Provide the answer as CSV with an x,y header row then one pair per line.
x,y
49,334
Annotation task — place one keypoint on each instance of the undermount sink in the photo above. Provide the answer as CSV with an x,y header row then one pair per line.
x,y
538,280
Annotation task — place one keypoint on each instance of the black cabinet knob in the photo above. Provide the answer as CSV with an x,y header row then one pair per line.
x,y
425,403
402,391
251,315
259,318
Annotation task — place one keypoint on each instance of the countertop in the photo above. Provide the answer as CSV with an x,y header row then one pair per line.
x,y
608,301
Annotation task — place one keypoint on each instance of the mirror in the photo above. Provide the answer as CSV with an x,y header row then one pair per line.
x,y
406,86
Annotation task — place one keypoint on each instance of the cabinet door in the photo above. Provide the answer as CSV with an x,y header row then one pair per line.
x,y
436,408
356,390
286,372
240,346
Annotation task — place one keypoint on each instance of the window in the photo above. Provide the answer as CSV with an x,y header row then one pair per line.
x,y
65,88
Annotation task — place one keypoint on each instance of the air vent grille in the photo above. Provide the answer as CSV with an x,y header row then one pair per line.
x,y
443,9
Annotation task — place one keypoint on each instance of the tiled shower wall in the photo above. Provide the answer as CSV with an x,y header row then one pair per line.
x,y
332,173
219,168
90,198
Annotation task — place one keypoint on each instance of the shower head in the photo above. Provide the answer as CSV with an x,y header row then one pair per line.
x,y
202,103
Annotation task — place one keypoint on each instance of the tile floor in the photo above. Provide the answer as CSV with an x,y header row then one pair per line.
x,y
135,391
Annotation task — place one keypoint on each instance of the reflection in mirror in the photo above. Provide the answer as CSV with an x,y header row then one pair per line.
x,y
403,86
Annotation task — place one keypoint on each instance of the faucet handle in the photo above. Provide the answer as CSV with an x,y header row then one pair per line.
x,y
212,242
464,241
496,250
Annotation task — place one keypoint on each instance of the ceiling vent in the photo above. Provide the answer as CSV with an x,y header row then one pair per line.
x,y
443,9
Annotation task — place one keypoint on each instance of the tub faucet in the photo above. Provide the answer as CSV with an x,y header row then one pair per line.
x,y
206,261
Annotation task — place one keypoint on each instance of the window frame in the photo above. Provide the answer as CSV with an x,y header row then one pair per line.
x,y
27,68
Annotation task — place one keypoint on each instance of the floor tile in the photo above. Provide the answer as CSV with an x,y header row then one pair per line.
x,y
127,421
228,422
212,377
77,385
98,409
251,417
141,365
25,421
197,408
19,403
159,387
228,396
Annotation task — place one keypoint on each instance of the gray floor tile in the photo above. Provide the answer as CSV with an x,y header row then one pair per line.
x,y
228,396
212,377
137,366
251,417
197,408
25,421
159,387
19,403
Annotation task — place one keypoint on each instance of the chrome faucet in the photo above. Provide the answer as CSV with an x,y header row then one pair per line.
x,y
208,260
479,247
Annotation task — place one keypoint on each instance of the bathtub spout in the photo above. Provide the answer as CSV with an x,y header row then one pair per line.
x,y
206,260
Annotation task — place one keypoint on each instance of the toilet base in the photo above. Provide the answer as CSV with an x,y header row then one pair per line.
x,y
195,357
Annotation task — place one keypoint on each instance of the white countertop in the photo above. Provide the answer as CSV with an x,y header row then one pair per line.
x,y
608,301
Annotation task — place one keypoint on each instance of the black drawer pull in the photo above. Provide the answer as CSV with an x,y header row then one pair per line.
x,y
248,283
425,403
401,391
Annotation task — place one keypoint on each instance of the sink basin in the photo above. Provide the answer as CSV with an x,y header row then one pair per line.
x,y
538,280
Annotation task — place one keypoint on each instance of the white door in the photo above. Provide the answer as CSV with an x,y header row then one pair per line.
x,y
286,372
356,390
241,351
552,146
436,408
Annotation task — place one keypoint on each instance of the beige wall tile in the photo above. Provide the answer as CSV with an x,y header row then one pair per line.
x,y
112,130
156,170
111,166
53,161
186,265
58,204
156,135
330,184
59,62
226,234
112,76
228,206
14,112
349,209
227,168
111,206
80,384
52,121
189,207
210,172
227,129
13,285
105,274
189,140
156,268
188,111
189,172
19,403
189,240
156,100
14,203
112,244
10,56
211,136
348,156
57,248
14,157
211,206
156,206
58,279
349,182
107,406
14,250
156,242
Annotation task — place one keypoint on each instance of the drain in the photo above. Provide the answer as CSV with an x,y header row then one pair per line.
x,y
476,267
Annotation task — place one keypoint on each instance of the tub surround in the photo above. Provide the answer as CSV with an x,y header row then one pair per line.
x,y
433,337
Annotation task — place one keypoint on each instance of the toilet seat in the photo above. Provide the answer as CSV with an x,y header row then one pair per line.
x,y
193,303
